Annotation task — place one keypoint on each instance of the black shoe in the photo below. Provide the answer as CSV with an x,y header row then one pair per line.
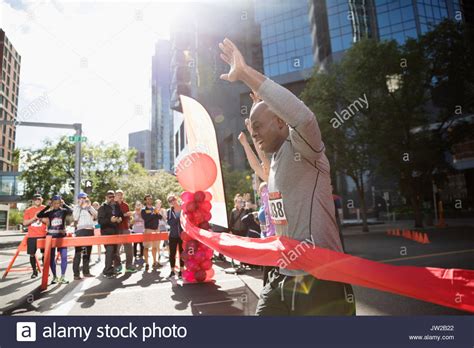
x,y
77,278
172,274
88,275
180,274
110,276
34,275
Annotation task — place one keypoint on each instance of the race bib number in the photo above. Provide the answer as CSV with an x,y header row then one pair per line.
x,y
277,210
37,223
56,222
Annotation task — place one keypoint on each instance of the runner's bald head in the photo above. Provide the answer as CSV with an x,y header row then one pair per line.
x,y
268,130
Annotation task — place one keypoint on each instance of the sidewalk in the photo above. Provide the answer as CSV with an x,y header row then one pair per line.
x,y
451,225
11,238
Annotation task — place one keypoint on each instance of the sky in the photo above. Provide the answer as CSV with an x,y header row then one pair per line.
x,y
86,62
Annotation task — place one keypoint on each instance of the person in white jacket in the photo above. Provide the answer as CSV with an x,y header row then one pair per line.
x,y
84,215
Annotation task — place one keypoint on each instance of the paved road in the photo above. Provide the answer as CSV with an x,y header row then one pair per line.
x,y
152,294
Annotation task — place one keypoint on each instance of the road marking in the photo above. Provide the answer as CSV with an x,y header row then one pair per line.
x,y
428,255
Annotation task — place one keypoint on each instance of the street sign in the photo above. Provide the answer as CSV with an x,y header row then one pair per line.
x,y
76,139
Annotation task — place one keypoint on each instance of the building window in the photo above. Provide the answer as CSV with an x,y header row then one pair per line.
x,y
176,144
181,136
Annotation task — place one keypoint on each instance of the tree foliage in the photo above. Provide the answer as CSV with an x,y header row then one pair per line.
x,y
406,131
159,185
50,169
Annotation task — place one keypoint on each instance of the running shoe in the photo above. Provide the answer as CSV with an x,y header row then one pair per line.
x,y
147,266
55,280
77,278
109,276
88,275
63,280
118,269
34,275
131,270
172,274
180,274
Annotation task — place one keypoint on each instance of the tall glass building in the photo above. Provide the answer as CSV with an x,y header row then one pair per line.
x,y
401,19
337,24
161,116
286,36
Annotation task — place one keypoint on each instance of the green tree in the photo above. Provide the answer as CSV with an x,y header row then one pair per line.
x,y
359,76
50,169
159,185
413,136
235,181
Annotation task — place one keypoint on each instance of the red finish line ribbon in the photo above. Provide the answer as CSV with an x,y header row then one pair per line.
x,y
447,287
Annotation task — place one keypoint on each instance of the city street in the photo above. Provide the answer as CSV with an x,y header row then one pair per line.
x,y
152,293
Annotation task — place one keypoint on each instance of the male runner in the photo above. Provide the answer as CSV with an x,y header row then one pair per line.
x,y
36,229
300,194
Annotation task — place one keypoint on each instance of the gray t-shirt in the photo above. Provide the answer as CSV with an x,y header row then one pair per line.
x,y
299,184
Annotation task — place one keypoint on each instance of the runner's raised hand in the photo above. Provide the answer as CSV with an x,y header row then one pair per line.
x,y
232,56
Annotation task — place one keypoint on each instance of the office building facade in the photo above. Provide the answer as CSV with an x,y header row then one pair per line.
x,y
161,115
10,63
141,142
337,24
196,67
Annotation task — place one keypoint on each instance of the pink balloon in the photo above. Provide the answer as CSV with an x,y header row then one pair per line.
x,y
192,245
192,265
190,207
185,237
199,196
207,216
196,172
210,274
189,276
208,196
187,196
200,256
206,264
184,256
200,275
205,206
198,217
209,253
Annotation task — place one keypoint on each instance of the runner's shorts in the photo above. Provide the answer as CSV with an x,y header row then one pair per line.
x,y
31,245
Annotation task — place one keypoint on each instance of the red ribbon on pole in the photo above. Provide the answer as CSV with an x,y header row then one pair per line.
x,y
447,287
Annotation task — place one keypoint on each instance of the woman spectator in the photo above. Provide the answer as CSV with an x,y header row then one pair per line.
x,y
138,227
173,215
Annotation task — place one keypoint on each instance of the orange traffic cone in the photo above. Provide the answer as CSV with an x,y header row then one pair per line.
x,y
417,237
425,239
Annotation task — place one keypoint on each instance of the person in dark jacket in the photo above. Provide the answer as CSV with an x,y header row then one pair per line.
x,y
109,218
173,215
236,225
